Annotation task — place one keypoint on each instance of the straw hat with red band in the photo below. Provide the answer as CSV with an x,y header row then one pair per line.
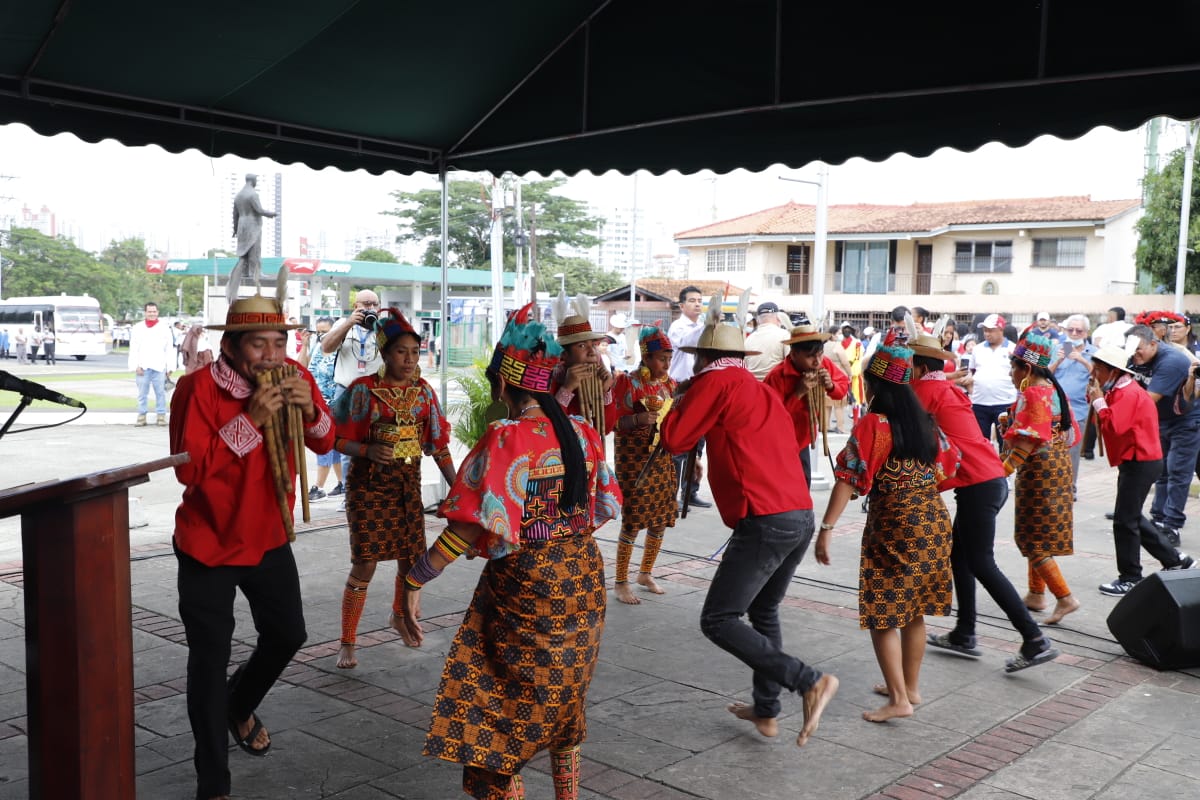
x,y
802,334
525,357
929,347
892,360
575,329
257,313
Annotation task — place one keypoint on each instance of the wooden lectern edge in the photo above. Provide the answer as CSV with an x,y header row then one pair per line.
x,y
17,499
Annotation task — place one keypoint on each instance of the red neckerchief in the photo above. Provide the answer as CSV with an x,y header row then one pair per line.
x,y
150,323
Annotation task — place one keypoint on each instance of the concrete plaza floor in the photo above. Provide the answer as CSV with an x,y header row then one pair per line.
x,y
1093,724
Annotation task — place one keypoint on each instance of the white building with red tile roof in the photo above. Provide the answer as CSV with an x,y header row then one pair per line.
x,y
1020,256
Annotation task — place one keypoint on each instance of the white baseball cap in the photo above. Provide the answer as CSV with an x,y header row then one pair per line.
x,y
618,320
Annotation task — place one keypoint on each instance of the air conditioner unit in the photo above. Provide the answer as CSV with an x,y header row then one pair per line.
x,y
776,281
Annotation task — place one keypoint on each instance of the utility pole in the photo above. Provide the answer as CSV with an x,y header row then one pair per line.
x,y
4,230
634,251
519,298
1185,215
497,260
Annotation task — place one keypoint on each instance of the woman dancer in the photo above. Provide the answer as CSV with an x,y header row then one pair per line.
x,y
1039,436
528,497
639,395
385,422
896,456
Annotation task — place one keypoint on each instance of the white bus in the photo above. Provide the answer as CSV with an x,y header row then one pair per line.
x,y
80,330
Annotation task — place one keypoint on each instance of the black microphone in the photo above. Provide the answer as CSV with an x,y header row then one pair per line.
x,y
35,391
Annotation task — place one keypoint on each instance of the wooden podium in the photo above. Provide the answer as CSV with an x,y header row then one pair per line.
x,y
78,631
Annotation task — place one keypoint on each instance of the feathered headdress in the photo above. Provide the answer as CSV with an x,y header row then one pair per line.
x,y
653,339
525,356
572,319
391,325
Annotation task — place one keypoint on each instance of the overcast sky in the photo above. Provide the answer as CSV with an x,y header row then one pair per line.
x,y
107,190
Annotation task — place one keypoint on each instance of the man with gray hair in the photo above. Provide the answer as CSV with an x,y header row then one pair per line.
x,y
768,340
1072,368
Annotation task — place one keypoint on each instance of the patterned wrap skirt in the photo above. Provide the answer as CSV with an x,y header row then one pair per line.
x,y
653,505
517,675
1044,520
904,567
383,504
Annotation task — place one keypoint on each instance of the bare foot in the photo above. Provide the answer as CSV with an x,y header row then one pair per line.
x,y
406,635
625,594
890,711
815,700
346,659
1035,602
914,698
767,726
1065,605
644,579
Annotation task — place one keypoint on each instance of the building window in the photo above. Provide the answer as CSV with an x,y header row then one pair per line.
x,y
983,256
1068,252
865,267
729,260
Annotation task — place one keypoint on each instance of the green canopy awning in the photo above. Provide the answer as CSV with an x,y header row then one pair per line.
x,y
543,85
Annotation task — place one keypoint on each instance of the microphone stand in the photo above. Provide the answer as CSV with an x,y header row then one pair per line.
x,y
25,401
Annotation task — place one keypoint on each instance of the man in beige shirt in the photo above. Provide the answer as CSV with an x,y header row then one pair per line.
x,y
768,339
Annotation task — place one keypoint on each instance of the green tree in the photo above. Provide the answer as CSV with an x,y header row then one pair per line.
x,y
376,254
1158,229
550,220
134,287
580,277
36,264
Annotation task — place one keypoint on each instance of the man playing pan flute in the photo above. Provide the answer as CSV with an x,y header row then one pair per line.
x,y
229,532
804,376
581,384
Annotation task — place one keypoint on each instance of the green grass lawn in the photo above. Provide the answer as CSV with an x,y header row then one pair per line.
x,y
120,395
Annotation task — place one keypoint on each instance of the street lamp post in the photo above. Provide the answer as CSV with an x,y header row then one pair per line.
x,y
562,281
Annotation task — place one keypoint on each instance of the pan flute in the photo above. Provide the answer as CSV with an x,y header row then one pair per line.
x,y
284,436
591,403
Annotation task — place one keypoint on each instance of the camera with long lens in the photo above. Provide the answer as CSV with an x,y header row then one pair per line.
x,y
369,319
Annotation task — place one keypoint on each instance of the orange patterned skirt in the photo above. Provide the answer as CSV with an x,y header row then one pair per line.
x,y
904,567
1044,519
652,506
518,671
383,504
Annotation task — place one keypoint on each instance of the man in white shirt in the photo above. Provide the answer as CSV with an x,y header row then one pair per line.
x,y
151,357
352,343
990,383
1112,332
617,324
685,332
768,339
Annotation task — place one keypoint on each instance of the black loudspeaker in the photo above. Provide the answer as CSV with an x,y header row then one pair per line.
x,y
1158,621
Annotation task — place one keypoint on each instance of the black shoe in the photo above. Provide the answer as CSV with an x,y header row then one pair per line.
x,y
1172,535
1185,562
337,490
1110,516
696,502
1118,588
1087,456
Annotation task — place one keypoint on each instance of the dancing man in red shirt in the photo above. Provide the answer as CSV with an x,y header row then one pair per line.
x,y
1128,423
750,445
229,533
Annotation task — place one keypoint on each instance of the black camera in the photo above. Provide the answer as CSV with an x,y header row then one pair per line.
x,y
369,319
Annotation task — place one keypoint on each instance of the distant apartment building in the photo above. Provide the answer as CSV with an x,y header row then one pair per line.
x,y
270,195
371,239
43,221
626,240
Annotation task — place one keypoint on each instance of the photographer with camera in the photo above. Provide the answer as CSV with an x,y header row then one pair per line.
x,y
352,344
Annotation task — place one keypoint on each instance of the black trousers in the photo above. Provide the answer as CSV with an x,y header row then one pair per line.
x,y
1131,529
686,484
206,596
972,558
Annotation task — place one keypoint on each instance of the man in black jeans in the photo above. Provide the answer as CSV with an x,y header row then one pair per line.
x,y
980,491
756,481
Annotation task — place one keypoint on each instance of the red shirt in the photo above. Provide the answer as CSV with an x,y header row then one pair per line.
x,y
753,459
1128,422
229,515
952,412
788,383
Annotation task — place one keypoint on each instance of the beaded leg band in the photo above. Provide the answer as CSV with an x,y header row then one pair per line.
x,y
354,597
564,767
